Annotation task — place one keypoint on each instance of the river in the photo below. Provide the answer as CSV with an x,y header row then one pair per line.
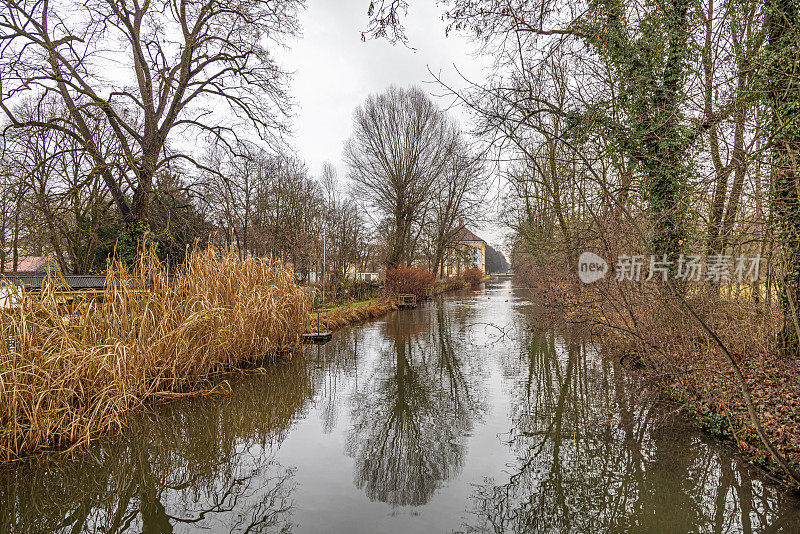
x,y
465,414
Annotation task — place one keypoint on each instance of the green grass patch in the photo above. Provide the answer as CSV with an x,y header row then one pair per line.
x,y
339,307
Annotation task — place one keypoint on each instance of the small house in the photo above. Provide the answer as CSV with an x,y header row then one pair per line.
x,y
468,251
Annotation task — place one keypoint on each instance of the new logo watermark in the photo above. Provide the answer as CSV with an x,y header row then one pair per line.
x,y
591,267
691,268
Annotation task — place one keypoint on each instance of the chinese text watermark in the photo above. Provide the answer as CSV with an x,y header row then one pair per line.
x,y
691,268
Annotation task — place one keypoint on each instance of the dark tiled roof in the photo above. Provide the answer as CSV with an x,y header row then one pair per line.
x,y
73,281
34,281
465,234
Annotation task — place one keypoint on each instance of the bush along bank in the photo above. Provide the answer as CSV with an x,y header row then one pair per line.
x,y
473,276
746,392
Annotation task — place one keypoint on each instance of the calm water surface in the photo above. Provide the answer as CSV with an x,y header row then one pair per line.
x,y
463,415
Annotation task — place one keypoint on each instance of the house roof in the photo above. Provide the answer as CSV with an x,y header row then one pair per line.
x,y
32,264
464,234
35,281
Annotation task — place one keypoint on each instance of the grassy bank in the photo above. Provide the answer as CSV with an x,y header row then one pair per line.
x,y
448,284
64,381
357,312
348,314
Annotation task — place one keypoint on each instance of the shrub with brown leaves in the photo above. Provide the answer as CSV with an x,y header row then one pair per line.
x,y
409,280
473,276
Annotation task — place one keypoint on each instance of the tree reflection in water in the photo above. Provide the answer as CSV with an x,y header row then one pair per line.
x,y
412,417
206,464
590,458
572,444
335,366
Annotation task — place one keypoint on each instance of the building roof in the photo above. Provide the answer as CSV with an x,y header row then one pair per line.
x,y
31,264
64,282
35,281
464,234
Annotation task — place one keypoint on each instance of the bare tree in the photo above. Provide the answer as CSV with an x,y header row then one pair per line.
x,y
233,182
12,196
146,70
265,204
457,196
6,211
63,202
347,243
289,213
400,147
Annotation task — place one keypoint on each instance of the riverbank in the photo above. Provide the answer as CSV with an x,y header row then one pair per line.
x,y
448,284
541,418
349,314
151,337
655,335
454,283
332,319
713,399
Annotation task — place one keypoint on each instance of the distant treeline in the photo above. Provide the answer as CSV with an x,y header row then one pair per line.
x,y
495,260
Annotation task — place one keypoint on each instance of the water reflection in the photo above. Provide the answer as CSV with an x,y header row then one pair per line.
x,y
462,415
412,417
592,455
201,463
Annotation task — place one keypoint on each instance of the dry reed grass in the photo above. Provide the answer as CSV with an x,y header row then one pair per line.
x,y
150,337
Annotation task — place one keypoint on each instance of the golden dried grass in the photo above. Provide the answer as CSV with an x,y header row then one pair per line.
x,y
150,337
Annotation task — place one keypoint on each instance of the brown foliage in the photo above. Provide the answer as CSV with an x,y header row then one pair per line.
x,y
473,276
646,324
410,280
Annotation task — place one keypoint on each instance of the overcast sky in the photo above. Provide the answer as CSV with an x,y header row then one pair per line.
x,y
335,72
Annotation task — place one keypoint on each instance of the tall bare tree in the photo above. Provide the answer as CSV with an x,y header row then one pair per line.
x,y
457,197
400,147
147,70
347,236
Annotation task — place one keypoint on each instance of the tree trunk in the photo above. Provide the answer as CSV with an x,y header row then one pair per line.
x,y
3,254
665,165
140,208
15,244
782,22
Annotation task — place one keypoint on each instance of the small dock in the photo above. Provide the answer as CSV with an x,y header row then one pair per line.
x,y
320,337
406,301
317,338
